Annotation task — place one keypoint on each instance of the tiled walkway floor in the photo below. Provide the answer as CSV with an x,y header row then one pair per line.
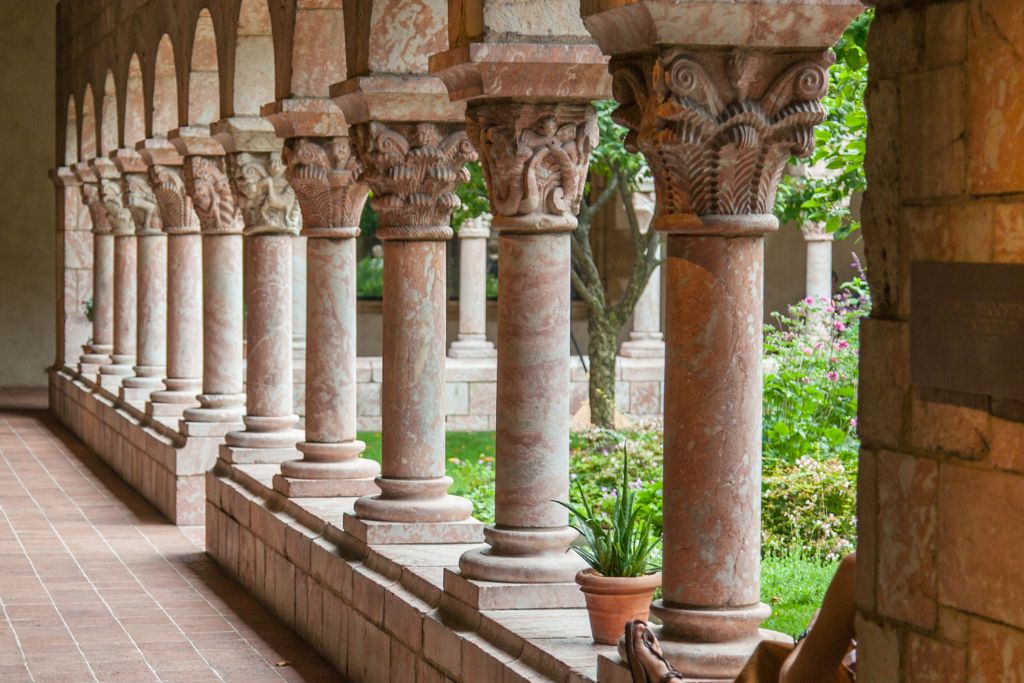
x,y
96,586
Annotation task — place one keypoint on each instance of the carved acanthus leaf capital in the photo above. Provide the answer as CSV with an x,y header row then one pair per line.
x,y
717,128
142,204
92,199
413,170
266,200
815,231
118,214
175,205
535,159
324,174
211,195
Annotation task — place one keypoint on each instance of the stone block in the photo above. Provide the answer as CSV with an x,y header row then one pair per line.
x,y
1006,448
403,663
878,651
284,590
335,631
956,430
377,656
885,378
644,398
896,42
867,530
315,613
257,456
297,546
428,674
387,533
442,646
301,589
945,34
368,399
996,653
932,127
652,369
908,519
1008,233
403,617
932,661
456,398
364,372
368,424
467,423
489,595
483,398
481,661
981,516
368,589
471,370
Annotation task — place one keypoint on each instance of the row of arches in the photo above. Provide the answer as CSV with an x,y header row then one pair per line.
x,y
192,62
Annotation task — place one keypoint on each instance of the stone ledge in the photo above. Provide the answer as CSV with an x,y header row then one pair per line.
x,y
380,612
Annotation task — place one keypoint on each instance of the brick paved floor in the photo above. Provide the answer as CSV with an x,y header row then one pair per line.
x,y
96,586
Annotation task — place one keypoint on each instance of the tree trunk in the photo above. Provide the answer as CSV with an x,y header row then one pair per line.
x,y
604,341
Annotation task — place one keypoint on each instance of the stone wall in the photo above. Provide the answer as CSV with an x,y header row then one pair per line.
x,y
941,496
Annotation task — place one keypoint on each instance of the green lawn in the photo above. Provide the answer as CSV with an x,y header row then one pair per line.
x,y
792,586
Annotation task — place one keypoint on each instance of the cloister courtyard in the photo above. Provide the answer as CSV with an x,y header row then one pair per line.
x,y
338,300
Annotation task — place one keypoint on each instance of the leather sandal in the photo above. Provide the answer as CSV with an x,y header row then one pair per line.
x,y
635,667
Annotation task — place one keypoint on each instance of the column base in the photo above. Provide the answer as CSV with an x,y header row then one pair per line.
x,y
90,371
276,433
414,501
472,348
491,595
323,488
643,347
403,533
178,396
524,556
240,455
328,470
221,408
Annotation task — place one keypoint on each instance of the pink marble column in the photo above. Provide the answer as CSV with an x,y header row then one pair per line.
x,y
74,261
125,278
472,341
530,538
221,403
184,284
646,339
151,245
321,170
272,219
98,351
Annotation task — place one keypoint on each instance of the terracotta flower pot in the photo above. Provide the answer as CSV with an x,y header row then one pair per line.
x,y
613,600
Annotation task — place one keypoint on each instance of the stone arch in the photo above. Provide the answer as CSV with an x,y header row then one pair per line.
x,y
71,133
87,145
108,130
254,68
165,89
135,105
317,54
203,80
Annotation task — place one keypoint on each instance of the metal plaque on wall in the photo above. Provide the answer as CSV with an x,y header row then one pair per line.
x,y
967,327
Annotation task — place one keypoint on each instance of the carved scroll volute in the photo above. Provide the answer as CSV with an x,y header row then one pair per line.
x,y
718,128
266,200
210,190
175,205
119,216
535,159
98,213
324,174
142,204
413,170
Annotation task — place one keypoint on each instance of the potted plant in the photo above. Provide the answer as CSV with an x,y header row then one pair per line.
x,y
622,576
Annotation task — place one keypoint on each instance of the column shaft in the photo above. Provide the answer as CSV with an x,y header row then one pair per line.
x,y
98,351
152,312
472,341
819,268
125,306
184,321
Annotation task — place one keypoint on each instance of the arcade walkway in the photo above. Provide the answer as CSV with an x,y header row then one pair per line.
x,y
96,586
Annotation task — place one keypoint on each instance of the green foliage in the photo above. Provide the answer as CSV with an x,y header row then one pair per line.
x,y
619,544
473,196
840,143
793,586
492,285
370,277
89,308
610,157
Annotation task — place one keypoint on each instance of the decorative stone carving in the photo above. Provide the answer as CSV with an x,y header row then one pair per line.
x,y
323,173
717,128
814,231
210,190
413,170
142,204
120,218
98,213
534,158
266,200
176,209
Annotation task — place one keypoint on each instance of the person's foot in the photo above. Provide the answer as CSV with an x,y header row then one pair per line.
x,y
646,661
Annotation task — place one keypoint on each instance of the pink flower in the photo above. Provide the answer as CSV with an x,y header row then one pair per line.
x,y
853,422
832,376
830,309
806,380
808,350
841,344
809,301
839,326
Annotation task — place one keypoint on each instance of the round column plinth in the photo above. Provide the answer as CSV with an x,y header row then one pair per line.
x,y
178,391
472,346
414,501
524,556
267,432
120,365
217,408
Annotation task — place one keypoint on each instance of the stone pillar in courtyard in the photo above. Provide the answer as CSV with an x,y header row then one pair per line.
x,y
472,341
529,82
717,120
270,211
819,260
74,259
222,401
646,339
125,283
151,263
412,148
97,351
184,379
322,170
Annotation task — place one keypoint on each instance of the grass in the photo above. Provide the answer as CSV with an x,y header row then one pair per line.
x,y
791,585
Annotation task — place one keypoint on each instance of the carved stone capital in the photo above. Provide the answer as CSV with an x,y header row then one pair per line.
x,y
176,210
718,127
413,170
266,200
534,159
816,232
211,195
324,174
98,212
118,214
142,204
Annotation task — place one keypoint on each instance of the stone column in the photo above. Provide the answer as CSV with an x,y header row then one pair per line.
x,y
322,171
272,219
125,277
819,260
299,278
472,341
184,284
221,403
716,125
151,316
646,339
74,265
97,352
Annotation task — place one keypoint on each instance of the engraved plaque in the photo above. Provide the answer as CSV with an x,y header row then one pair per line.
x,y
967,327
